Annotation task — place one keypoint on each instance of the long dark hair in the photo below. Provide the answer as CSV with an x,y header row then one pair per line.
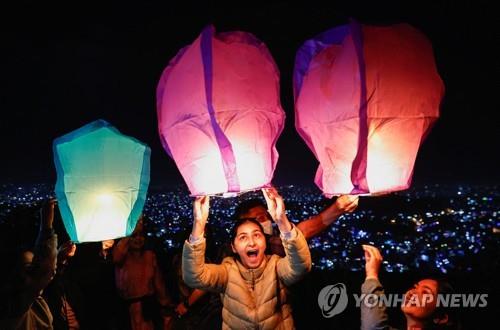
x,y
443,288
453,323
234,231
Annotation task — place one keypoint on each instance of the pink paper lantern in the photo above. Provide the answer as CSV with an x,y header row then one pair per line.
x,y
365,98
219,113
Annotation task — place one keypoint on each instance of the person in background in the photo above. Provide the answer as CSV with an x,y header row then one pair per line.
x,y
420,313
140,282
63,294
191,303
22,305
196,309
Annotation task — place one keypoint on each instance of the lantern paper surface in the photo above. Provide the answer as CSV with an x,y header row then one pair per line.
x,y
365,98
102,181
219,113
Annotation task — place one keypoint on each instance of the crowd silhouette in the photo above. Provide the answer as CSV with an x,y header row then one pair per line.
x,y
131,283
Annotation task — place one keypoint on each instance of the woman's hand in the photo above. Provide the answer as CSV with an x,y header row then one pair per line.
x,y
201,207
276,208
373,260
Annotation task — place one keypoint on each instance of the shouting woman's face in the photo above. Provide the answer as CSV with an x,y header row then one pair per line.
x,y
250,244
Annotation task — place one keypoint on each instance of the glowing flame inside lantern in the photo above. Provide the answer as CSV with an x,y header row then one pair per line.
x,y
110,209
105,211
105,198
250,167
392,152
213,183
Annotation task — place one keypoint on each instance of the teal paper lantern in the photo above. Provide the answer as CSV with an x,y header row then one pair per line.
x,y
102,181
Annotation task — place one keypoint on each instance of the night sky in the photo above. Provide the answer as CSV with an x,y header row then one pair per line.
x,y
63,67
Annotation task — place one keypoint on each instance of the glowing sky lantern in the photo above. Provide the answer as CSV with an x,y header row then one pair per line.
x,y
365,98
102,181
219,113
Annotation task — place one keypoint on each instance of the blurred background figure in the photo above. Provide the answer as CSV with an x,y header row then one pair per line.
x,y
22,306
195,308
140,282
422,314
87,286
191,304
63,294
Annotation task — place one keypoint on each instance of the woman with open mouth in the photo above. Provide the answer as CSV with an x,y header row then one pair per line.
x,y
419,306
253,285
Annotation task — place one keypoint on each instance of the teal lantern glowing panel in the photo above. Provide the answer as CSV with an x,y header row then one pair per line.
x,y
102,181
